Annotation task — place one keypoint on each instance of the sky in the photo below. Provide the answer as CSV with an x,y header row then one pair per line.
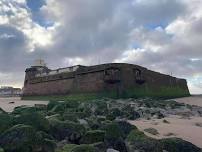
x,y
161,35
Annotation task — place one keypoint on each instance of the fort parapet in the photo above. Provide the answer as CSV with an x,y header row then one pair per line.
x,y
111,80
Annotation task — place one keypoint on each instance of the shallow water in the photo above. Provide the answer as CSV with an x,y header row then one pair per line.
x,y
8,107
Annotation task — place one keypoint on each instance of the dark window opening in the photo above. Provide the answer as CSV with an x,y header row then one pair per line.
x,y
112,75
138,76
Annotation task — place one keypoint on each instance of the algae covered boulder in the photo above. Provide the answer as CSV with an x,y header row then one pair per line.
x,y
1,149
24,109
114,137
125,127
93,136
2,111
66,129
138,141
178,145
33,119
45,142
20,138
6,121
78,148
84,148
24,138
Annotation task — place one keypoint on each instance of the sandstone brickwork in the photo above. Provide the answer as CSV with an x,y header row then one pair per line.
x,y
118,78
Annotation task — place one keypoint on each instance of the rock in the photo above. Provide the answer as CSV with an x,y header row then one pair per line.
x,y
33,119
24,109
55,116
93,136
2,111
112,150
66,129
24,138
84,148
152,131
6,121
19,138
178,145
113,132
1,150
100,146
198,124
52,104
125,127
114,137
138,141
133,115
66,148
70,117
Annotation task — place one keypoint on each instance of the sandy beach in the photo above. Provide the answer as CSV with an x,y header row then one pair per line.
x,y
8,107
193,100
182,128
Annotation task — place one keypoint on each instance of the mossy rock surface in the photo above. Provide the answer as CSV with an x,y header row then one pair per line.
x,y
66,129
152,131
2,111
135,135
114,137
66,148
25,109
33,119
138,141
20,138
178,145
84,148
6,121
1,149
113,131
125,127
93,136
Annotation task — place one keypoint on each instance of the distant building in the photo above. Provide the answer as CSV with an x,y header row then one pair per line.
x,y
7,91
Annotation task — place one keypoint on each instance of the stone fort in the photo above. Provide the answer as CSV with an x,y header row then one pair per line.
x,y
112,79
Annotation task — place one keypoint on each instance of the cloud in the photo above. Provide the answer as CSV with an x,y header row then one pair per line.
x,y
162,35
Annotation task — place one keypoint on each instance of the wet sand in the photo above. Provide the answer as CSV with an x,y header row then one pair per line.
x,y
193,100
181,128
8,107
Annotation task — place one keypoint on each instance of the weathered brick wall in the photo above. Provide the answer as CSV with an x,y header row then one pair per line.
x,y
93,79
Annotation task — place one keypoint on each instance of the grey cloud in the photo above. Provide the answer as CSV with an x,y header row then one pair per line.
x,y
93,27
157,12
101,30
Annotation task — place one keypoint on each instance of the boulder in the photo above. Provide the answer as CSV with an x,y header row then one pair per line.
x,y
178,145
84,148
20,138
66,129
93,136
114,137
112,150
1,150
125,127
33,119
2,111
6,121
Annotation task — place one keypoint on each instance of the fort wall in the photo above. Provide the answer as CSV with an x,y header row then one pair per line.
x,y
114,78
